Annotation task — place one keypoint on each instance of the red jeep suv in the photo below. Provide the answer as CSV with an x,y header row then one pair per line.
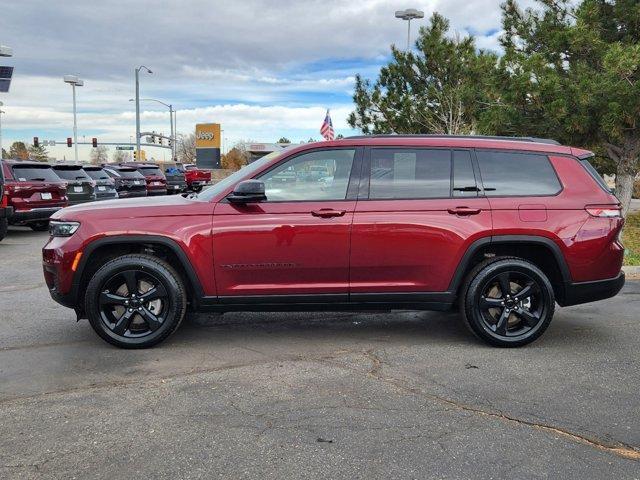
x,y
503,228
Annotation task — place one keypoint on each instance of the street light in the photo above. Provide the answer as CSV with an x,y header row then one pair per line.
x,y
138,107
1,112
171,113
409,14
74,81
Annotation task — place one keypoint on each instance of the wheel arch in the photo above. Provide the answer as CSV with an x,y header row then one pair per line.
x,y
97,252
541,251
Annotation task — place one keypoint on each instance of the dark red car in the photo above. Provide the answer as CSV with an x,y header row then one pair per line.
x,y
156,181
196,178
33,191
504,228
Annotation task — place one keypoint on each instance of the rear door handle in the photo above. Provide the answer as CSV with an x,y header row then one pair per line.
x,y
464,211
328,213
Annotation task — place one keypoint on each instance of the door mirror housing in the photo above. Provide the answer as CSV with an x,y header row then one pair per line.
x,y
248,191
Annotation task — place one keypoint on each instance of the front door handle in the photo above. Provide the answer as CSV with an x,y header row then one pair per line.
x,y
328,213
464,211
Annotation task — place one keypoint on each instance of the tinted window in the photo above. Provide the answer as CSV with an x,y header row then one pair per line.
x,y
508,173
410,173
124,173
321,175
464,181
35,173
150,171
97,174
71,173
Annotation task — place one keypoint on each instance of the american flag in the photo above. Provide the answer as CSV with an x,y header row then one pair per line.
x,y
326,130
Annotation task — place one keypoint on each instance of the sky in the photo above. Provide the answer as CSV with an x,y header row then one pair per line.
x,y
263,69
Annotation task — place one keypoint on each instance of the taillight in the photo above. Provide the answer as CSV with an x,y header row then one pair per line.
x,y
603,211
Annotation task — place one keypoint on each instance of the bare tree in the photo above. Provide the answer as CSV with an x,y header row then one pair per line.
x,y
121,156
186,148
100,155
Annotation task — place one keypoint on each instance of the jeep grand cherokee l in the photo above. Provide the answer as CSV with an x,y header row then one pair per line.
x,y
128,181
105,185
33,191
80,186
156,181
503,228
5,209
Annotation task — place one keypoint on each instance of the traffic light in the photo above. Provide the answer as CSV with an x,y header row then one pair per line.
x,y
135,155
36,142
160,139
94,142
69,142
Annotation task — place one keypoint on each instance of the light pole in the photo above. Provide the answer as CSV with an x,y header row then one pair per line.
x,y
74,81
1,112
409,14
138,108
171,113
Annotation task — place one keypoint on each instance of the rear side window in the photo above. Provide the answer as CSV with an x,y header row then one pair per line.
x,y
72,173
464,180
398,173
517,174
36,173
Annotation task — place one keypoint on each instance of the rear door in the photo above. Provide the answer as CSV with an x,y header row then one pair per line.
x,y
296,243
418,211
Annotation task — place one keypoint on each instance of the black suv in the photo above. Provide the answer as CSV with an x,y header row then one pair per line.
x,y
105,185
80,186
129,182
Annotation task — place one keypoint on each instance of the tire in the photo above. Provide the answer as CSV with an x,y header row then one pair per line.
x,y
4,226
42,226
135,320
513,320
197,189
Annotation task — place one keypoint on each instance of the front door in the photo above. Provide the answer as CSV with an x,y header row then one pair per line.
x,y
418,212
294,244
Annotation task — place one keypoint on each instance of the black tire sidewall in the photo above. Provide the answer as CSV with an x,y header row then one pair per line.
x,y
163,272
476,287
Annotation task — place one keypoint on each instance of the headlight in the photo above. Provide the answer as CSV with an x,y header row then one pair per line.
x,y
62,229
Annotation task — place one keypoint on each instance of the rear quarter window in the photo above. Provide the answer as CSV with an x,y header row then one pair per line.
x,y
517,174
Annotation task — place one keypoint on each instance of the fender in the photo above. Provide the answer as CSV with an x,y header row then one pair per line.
x,y
458,276
137,239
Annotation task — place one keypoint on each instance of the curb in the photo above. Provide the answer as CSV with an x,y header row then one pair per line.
x,y
631,272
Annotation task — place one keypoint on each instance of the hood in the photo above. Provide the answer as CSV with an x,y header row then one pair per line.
x,y
135,208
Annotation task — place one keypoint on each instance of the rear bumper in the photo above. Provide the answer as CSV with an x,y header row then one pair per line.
x,y
77,201
585,292
157,191
132,193
33,215
106,195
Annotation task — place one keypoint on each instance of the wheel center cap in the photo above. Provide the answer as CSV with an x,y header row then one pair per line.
x,y
510,303
135,302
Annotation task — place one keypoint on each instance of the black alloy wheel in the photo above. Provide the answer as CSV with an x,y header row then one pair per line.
x,y
508,302
135,301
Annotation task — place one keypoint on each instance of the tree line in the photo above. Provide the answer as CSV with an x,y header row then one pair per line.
x,y
568,71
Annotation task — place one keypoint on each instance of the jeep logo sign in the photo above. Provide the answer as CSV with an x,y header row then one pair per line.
x,y
208,135
205,136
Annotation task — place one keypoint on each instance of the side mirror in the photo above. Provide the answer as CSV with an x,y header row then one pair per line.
x,y
249,191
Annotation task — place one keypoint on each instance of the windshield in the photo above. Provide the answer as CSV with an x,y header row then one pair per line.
x,y
97,174
71,173
36,173
248,170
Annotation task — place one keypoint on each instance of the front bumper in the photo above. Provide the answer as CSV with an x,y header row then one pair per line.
x,y
585,292
34,215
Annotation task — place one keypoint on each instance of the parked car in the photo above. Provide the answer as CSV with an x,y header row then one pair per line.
x,y
176,182
33,192
503,228
156,181
5,210
196,178
105,185
128,181
81,187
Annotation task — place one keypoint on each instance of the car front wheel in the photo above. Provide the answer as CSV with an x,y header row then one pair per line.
x,y
135,301
507,302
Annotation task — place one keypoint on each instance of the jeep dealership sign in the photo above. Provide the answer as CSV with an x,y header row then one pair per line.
x,y
208,145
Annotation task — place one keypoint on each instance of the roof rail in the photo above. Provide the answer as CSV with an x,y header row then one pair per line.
x,y
482,137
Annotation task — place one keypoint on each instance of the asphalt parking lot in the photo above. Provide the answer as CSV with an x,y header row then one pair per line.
x,y
384,395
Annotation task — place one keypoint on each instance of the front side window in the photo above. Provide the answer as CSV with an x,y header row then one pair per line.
x,y
313,176
398,173
514,173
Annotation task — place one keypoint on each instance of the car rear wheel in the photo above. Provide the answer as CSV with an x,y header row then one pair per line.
x,y
196,188
135,301
507,302
42,226
4,226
